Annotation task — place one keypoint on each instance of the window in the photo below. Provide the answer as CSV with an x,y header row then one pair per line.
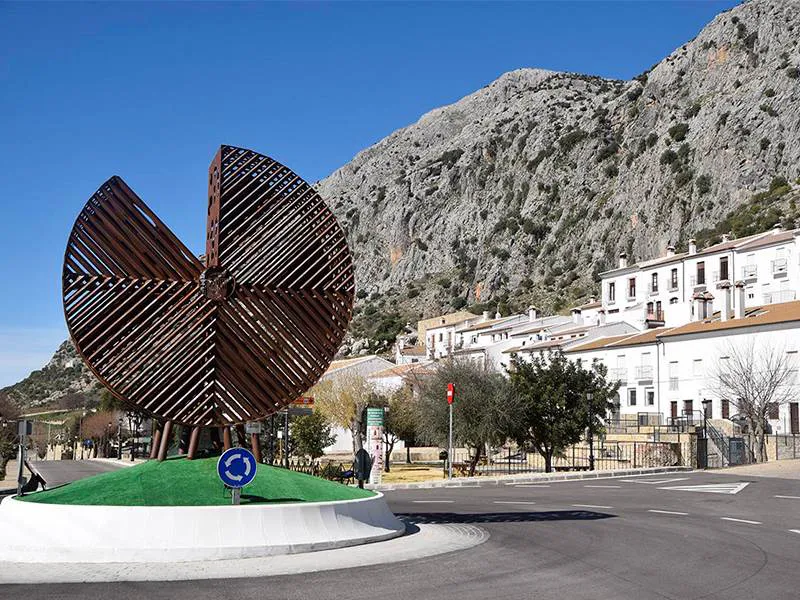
x,y
723,268
726,408
751,293
612,292
649,397
697,367
673,279
632,397
654,283
441,337
701,273
658,308
772,411
688,407
673,300
632,287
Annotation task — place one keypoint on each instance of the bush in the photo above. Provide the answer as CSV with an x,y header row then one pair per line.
x,y
769,92
361,294
777,183
764,143
692,111
703,184
668,157
678,132
443,282
567,142
611,170
450,157
769,110
793,72
458,302
607,151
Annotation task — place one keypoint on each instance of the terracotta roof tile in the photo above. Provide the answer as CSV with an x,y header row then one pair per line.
x,y
769,314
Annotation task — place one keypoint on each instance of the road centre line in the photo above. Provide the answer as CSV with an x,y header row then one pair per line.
x,y
591,506
616,487
433,501
513,502
667,512
521,485
795,530
741,521
789,497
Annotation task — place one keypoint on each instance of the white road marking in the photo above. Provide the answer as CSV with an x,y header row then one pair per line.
x,y
711,488
654,481
512,502
433,501
591,506
789,497
616,487
741,521
531,486
668,512
795,530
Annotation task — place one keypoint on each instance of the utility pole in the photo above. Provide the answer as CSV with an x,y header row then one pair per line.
x,y
286,439
451,392
590,407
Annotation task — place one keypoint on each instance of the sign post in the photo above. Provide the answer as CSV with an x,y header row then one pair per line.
x,y
375,418
236,468
25,429
451,391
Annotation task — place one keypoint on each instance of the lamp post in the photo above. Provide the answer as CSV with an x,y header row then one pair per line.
x,y
705,402
80,431
589,399
119,439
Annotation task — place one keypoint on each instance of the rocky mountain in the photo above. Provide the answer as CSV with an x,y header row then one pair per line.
x,y
525,190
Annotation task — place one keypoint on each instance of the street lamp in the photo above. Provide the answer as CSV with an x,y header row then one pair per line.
x,y
80,431
589,407
119,439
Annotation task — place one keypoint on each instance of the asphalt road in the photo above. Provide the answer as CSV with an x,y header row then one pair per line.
x,y
59,472
613,538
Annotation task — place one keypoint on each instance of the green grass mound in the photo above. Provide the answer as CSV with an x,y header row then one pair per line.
x,y
181,482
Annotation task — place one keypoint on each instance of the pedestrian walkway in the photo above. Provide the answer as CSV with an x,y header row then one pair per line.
x,y
782,469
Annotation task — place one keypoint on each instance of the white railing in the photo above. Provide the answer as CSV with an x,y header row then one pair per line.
x,y
618,374
644,372
781,296
749,271
780,266
652,289
673,384
672,286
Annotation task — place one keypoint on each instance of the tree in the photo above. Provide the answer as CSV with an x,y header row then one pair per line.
x,y
99,427
311,434
555,401
478,410
344,398
401,422
8,431
754,378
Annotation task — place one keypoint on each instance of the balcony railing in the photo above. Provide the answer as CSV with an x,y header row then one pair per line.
x,y
655,316
631,296
618,374
750,272
673,384
672,286
652,289
780,266
644,372
781,296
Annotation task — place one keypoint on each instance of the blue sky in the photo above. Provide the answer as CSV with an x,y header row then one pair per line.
x,y
148,91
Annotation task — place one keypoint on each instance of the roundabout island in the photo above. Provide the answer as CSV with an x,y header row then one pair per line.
x,y
178,510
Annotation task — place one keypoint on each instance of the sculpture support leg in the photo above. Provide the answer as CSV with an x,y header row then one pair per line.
x,y
195,437
226,438
154,443
255,445
165,435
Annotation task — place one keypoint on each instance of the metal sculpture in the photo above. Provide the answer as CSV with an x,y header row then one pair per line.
x,y
219,342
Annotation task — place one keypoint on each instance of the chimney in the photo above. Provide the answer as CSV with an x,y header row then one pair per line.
x,y
699,305
601,317
576,316
623,260
726,237
533,314
777,228
497,315
485,316
725,311
670,251
739,308
692,246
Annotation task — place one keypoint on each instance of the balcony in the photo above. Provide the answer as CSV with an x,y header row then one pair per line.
x,y
654,317
750,272
780,267
777,297
672,286
644,373
696,283
618,374
673,384
652,289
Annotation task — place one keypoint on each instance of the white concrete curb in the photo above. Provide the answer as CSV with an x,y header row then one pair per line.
x,y
61,533
523,478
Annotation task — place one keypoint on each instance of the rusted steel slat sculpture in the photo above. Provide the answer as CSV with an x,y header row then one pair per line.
x,y
231,340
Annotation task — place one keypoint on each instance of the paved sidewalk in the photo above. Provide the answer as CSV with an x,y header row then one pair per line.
x,y
522,478
782,469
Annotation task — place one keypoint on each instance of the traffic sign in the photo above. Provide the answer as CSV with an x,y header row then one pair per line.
x,y
236,467
253,427
451,391
303,401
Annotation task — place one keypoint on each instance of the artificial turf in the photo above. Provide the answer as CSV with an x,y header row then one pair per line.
x,y
181,482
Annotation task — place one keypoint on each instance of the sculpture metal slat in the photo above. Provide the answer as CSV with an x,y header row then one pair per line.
x,y
232,340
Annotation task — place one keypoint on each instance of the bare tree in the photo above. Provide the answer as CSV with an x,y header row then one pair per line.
x,y
8,431
343,399
754,378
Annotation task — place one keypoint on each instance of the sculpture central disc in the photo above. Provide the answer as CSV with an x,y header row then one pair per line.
x,y
216,284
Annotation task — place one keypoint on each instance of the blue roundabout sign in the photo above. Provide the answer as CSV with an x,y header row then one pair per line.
x,y
236,467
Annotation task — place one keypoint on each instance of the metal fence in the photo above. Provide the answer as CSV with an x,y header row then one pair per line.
x,y
608,456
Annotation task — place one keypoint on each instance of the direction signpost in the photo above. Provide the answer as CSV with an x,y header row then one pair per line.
x,y
451,392
375,420
236,468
